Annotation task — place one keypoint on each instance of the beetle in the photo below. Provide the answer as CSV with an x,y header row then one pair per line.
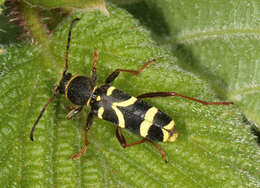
x,y
111,104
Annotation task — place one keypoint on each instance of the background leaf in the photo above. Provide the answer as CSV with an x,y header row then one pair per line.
x,y
71,4
217,40
1,3
214,149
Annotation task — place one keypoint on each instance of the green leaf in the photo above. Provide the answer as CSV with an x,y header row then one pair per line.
x,y
218,40
214,149
71,4
8,30
1,4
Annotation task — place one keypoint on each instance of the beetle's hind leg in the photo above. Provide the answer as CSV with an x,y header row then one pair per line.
x,y
122,140
88,124
174,94
123,143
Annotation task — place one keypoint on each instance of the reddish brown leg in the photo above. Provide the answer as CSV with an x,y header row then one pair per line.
x,y
123,143
168,94
122,140
95,59
74,111
88,124
115,74
160,150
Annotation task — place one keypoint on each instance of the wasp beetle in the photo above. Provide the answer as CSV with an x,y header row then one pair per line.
x,y
115,106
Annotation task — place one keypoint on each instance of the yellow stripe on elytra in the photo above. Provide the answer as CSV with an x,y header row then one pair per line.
x,y
173,137
119,114
150,114
100,112
120,117
144,128
148,121
126,103
169,134
170,125
165,135
110,90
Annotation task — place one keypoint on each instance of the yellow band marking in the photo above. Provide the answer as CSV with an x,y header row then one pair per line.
x,y
173,137
149,116
165,135
120,117
67,85
148,121
98,98
91,96
100,112
144,128
110,90
169,134
119,114
126,103
170,125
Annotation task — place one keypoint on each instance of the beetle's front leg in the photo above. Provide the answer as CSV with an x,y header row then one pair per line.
x,y
83,149
74,112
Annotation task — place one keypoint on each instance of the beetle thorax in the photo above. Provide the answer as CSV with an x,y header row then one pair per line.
x,y
79,89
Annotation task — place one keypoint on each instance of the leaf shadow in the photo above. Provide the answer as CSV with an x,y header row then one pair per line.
x,y
149,16
189,62
152,17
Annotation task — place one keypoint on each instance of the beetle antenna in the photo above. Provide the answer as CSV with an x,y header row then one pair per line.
x,y
57,87
43,110
67,47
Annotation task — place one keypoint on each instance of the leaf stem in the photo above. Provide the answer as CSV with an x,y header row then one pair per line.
x,y
38,32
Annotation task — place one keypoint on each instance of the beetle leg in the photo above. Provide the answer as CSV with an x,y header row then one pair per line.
x,y
93,71
88,124
123,143
122,140
160,150
172,94
74,112
115,74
